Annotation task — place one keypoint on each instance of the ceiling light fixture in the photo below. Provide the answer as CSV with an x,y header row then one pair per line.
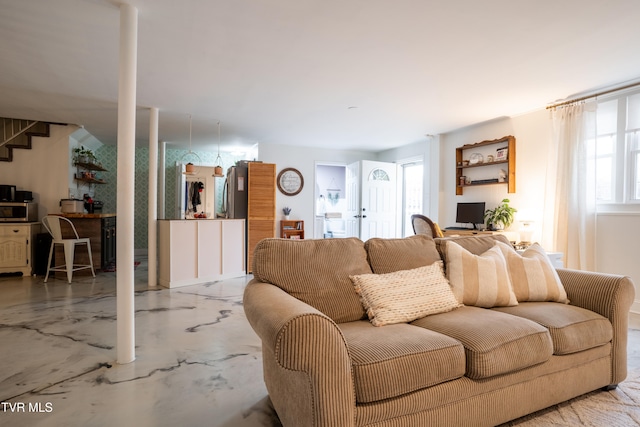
x,y
217,171
189,167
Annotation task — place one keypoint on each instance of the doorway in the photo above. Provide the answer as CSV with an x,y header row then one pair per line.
x,y
330,201
371,199
356,200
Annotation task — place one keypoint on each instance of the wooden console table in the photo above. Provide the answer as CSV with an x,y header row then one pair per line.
x,y
467,232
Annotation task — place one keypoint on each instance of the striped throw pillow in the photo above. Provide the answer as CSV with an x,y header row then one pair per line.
x,y
405,295
479,280
533,276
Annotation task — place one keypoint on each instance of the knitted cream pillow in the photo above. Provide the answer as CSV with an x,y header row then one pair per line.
x,y
479,280
532,275
405,295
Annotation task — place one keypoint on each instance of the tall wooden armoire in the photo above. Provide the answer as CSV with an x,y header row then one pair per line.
x,y
261,206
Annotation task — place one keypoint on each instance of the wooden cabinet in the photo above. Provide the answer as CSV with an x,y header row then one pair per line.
x,y
292,229
17,247
197,251
261,206
482,163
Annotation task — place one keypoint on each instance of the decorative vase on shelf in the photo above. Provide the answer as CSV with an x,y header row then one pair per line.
x,y
286,211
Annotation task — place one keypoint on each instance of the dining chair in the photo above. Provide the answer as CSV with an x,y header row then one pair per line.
x,y
423,225
54,224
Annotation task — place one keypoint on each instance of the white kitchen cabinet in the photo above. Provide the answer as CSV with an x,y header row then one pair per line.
x,y
195,251
17,247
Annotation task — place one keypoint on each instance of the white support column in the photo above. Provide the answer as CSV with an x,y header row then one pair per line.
x,y
162,180
152,213
125,343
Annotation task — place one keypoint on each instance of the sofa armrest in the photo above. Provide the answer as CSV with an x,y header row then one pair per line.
x,y
307,367
609,295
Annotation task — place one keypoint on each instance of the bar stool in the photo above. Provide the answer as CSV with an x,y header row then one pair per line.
x,y
53,224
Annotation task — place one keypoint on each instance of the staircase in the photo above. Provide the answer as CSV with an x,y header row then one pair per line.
x,y
17,133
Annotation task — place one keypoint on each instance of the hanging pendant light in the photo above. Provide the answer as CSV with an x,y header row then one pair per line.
x,y
217,170
190,160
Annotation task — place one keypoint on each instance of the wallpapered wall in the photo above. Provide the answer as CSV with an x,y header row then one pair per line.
x,y
107,155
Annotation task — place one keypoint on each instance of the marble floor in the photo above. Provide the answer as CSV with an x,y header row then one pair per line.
x,y
197,359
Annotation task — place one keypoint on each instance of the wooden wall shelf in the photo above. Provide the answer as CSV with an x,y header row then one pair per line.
x,y
84,172
463,162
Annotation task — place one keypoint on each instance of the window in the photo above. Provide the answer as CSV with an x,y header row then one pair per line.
x,y
378,175
616,150
412,178
633,143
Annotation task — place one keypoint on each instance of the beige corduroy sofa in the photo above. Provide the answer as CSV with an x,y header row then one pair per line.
x,y
325,364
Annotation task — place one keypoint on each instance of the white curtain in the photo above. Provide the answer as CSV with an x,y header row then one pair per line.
x,y
572,191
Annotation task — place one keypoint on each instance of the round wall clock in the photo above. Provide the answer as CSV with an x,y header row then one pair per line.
x,y
290,181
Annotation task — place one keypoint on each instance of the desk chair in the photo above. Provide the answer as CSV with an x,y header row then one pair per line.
x,y
423,225
53,224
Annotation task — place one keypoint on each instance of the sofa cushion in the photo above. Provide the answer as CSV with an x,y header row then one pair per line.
x,y
405,295
572,328
389,255
532,274
316,272
398,359
495,343
479,280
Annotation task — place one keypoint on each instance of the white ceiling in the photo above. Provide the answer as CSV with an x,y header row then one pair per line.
x,y
345,74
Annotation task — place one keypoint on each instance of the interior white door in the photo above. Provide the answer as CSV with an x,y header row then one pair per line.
x,y
352,194
377,199
371,199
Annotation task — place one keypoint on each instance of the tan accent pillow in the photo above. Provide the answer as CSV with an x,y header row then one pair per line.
x,y
406,295
532,275
479,280
476,244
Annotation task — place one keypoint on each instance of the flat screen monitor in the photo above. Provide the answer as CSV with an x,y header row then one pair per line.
x,y
470,213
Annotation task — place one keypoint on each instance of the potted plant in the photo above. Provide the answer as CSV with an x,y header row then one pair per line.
x,y
501,217
286,211
78,155
84,155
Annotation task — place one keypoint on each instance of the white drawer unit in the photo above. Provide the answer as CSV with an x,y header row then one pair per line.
x,y
194,251
17,248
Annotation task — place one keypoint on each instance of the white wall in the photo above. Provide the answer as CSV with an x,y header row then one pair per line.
x,y
618,233
304,159
617,253
44,169
533,139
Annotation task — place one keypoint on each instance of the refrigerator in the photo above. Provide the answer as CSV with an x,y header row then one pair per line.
x,y
236,190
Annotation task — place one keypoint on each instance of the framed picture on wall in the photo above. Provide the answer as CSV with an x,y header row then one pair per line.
x,y
501,153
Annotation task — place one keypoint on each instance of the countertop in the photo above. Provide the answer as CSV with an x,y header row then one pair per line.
x,y
87,215
202,219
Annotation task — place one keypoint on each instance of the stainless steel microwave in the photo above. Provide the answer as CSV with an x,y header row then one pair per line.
x,y
18,212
